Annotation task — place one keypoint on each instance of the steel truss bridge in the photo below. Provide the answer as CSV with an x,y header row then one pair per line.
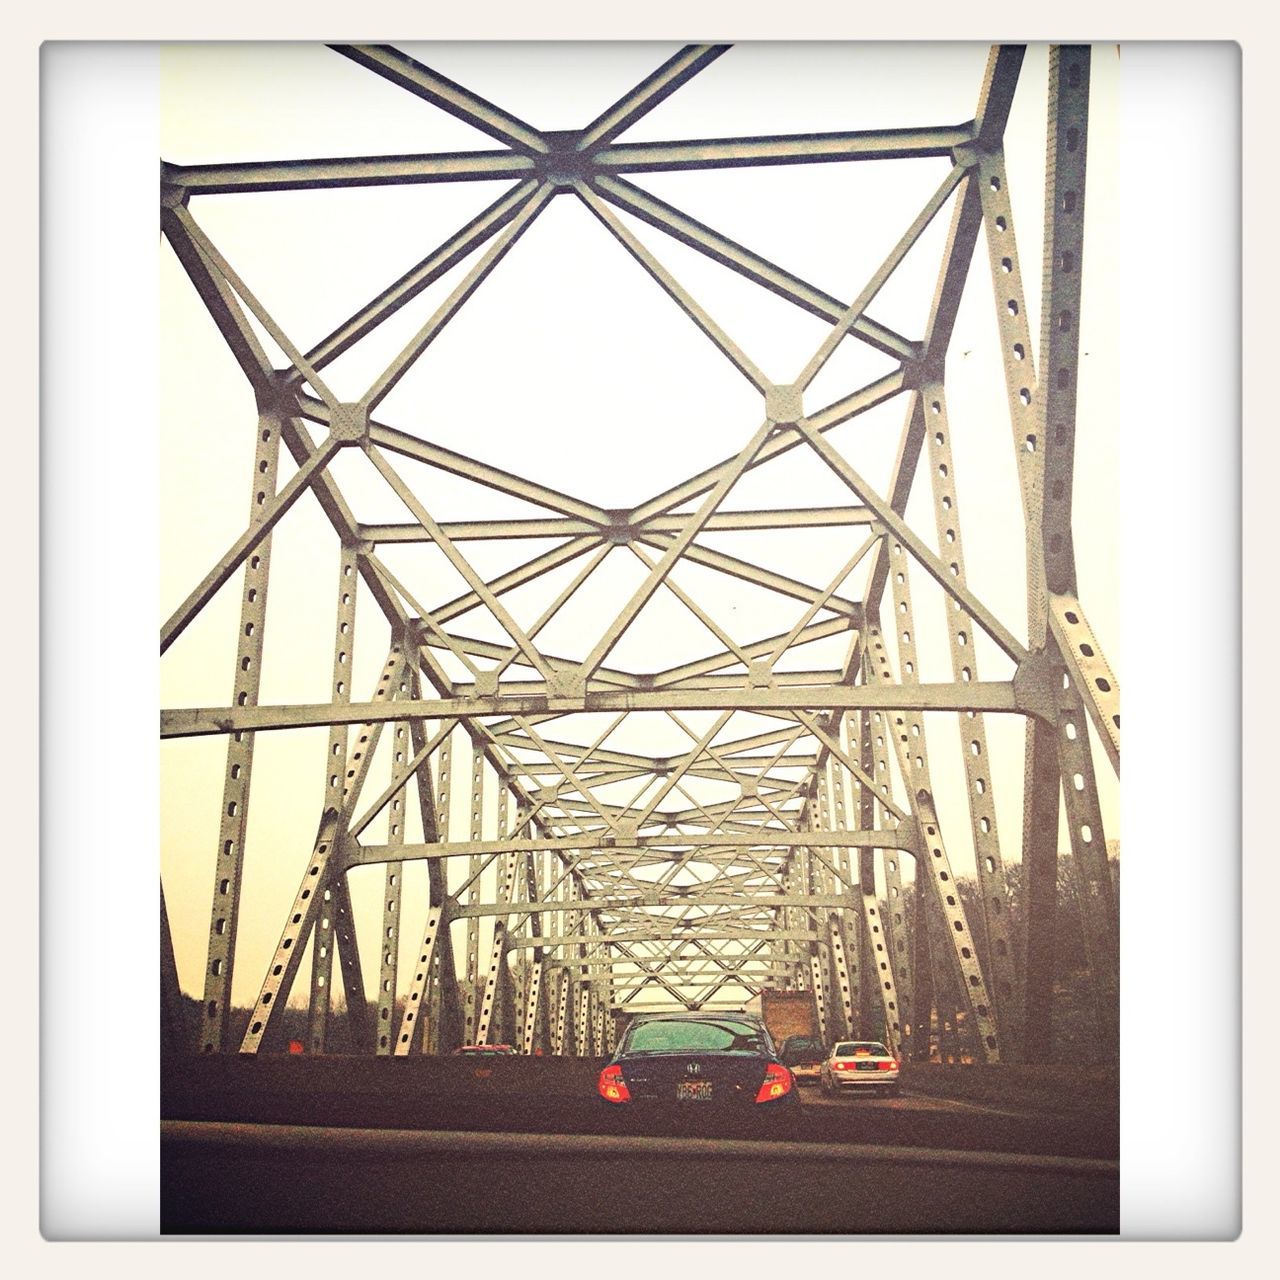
x,y
572,874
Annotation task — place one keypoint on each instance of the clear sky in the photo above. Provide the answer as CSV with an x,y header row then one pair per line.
x,y
569,366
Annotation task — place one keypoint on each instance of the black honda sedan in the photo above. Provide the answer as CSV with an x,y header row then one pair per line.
x,y
697,1060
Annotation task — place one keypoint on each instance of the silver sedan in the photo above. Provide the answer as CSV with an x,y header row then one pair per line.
x,y
859,1064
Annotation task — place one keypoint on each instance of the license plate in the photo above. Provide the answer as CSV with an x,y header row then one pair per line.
x,y
693,1091
866,1066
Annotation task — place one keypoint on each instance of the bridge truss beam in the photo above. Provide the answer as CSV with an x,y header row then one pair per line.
x,y
631,834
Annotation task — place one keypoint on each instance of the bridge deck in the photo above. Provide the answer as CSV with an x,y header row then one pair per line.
x,y
258,1145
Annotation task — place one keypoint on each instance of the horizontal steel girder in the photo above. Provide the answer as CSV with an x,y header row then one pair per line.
x,y
978,696
762,900
901,837
468,166
721,522
661,935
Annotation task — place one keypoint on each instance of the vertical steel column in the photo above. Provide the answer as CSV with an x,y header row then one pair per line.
x,y
321,1001
576,922
581,1047
533,993
874,929
1040,769
1066,147
610,1021
1042,411
560,974
417,997
943,987
359,1023
498,952
810,881
785,916
562,1010
819,995
1098,899
922,964
881,960
911,962
841,967
571,923
964,665
895,922
533,988
448,1031
910,742
396,684
1068,127
597,1021
426,970
588,991
1040,889
933,863
816,917
550,923
844,967
215,1030
611,1017
898,1001
444,787
389,939
471,977
505,1015
847,863
441,992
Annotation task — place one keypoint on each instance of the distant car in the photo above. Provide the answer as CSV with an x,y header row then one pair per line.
x,y
860,1064
697,1060
483,1051
804,1055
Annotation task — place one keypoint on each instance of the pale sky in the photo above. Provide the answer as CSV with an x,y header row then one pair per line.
x,y
570,367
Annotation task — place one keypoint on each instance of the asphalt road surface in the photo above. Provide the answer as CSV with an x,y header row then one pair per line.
x,y
255,1179
339,1147
908,1101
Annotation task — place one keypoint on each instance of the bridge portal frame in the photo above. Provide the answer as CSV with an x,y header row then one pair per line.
x,y
567,850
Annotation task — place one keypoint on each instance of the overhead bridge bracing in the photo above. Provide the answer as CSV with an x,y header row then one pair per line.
x,y
564,833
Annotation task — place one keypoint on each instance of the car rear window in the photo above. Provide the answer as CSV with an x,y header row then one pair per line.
x,y
689,1036
800,1050
860,1049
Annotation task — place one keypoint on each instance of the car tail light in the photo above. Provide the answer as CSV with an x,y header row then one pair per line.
x,y
777,1081
611,1085
887,1066
842,1066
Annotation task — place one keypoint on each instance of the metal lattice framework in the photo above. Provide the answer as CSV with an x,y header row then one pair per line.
x,y
588,876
